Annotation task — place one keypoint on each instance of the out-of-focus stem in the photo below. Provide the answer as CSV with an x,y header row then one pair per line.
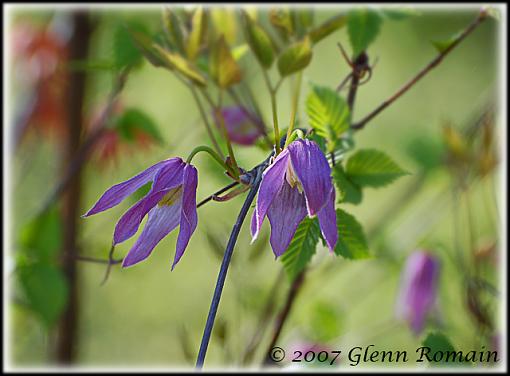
x,y
295,100
219,115
272,93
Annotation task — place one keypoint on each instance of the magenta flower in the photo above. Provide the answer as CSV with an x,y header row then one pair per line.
x,y
297,183
418,290
243,127
170,202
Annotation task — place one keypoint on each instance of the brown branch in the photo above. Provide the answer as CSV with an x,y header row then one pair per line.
x,y
481,17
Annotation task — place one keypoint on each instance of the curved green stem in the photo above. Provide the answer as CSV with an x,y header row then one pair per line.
x,y
212,153
220,118
295,100
272,93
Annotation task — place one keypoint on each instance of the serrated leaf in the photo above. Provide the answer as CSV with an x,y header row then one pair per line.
x,y
372,168
259,41
294,58
181,65
197,34
349,192
301,248
133,120
352,243
328,114
362,26
45,289
327,27
41,238
222,66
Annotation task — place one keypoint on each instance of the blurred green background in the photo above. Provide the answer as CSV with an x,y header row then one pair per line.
x,y
149,316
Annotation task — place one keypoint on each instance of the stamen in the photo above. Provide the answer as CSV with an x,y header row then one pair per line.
x,y
171,197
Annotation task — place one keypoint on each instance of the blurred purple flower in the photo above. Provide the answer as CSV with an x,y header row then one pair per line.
x,y
297,183
170,202
243,127
418,289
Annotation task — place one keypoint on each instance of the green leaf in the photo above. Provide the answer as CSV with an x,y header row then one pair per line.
x,y
362,26
301,248
223,67
125,51
442,45
294,58
41,238
327,27
181,65
328,114
197,34
45,289
147,47
259,41
352,243
399,13
349,192
133,120
302,19
372,168
438,342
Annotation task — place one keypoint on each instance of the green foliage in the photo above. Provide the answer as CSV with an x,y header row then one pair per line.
x,y
327,27
426,152
281,19
349,192
45,290
399,13
222,66
442,45
134,120
301,248
41,238
259,41
372,168
438,342
302,20
325,322
125,51
328,113
294,58
352,243
363,26
173,30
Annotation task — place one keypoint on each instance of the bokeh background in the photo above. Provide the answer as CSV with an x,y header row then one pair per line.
x,y
149,316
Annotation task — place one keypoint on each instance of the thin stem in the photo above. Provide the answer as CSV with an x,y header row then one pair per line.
x,y
222,190
212,153
481,17
291,297
272,93
295,100
206,122
224,268
221,119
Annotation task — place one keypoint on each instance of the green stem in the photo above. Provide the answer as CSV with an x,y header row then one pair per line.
x,y
220,118
272,92
295,101
206,122
212,153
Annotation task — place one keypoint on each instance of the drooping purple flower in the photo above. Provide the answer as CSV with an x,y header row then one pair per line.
x,y
297,183
418,289
171,202
243,127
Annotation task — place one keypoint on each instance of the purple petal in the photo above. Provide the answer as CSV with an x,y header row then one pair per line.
x,y
285,213
167,178
313,172
189,211
418,291
162,220
272,180
119,192
327,222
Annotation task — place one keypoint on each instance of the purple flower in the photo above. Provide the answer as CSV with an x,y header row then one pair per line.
x,y
242,126
418,290
297,183
170,202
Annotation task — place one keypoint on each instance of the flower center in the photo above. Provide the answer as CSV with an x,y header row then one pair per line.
x,y
171,196
292,179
